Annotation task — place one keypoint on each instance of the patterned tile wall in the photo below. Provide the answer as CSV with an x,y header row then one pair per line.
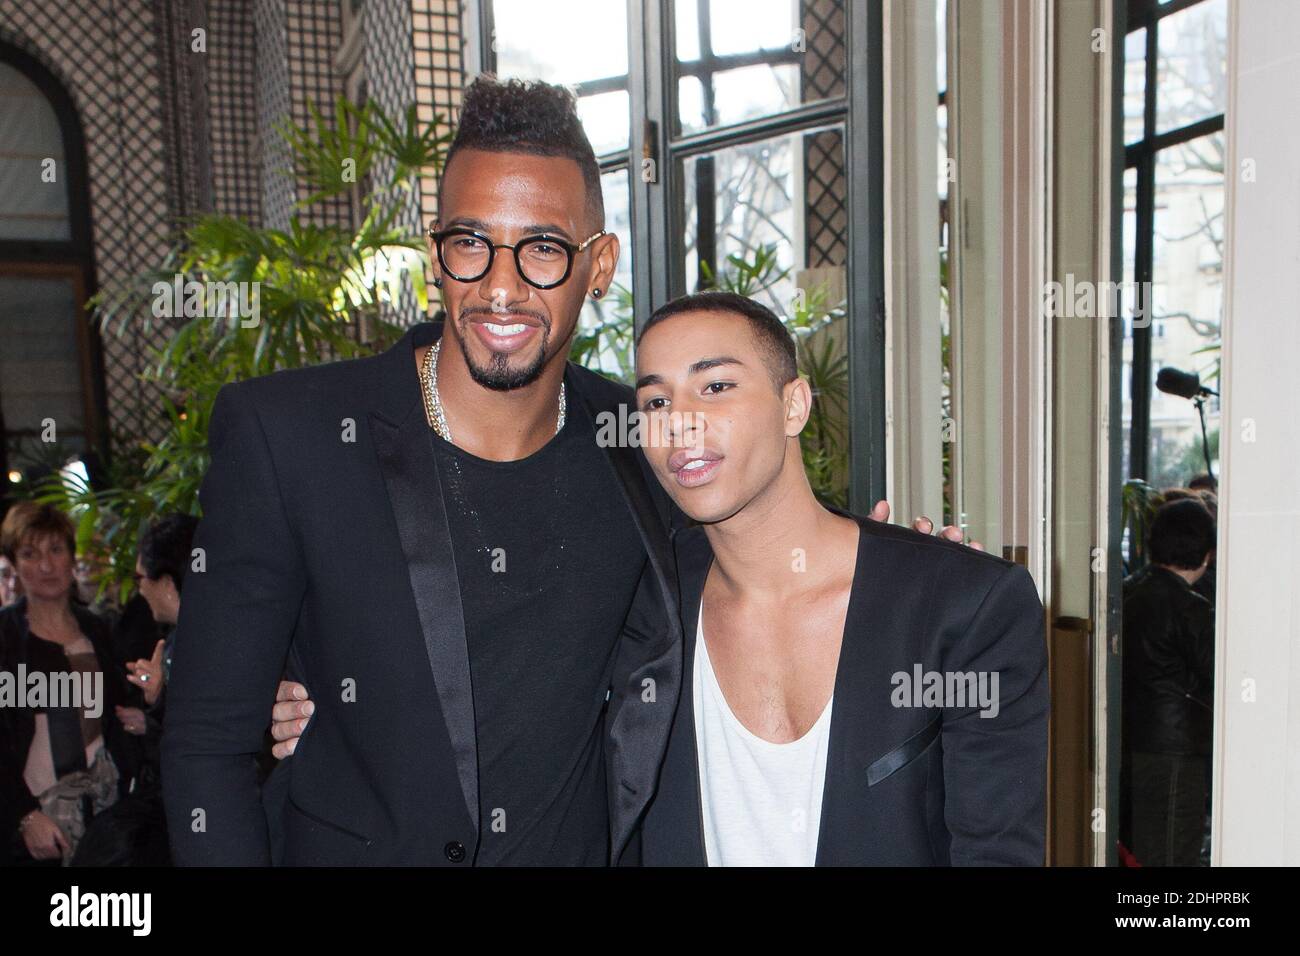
x,y
171,132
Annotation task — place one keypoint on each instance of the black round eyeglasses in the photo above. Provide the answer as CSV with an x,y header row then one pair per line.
x,y
543,261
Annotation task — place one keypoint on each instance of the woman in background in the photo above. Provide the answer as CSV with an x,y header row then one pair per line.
x,y
59,765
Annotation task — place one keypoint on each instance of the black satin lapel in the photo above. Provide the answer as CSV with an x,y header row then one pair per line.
x,y
694,559
639,735
853,715
415,492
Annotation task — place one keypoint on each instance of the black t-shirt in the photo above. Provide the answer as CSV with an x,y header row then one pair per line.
x,y
548,559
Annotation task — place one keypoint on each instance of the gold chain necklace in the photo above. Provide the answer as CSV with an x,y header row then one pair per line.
x,y
433,411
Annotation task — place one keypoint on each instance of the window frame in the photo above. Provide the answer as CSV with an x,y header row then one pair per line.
x,y
72,258
1141,156
655,202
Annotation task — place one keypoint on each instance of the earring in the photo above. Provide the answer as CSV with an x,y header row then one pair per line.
x,y
437,282
596,293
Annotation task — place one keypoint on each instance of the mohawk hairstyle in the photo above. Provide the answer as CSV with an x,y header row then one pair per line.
x,y
541,119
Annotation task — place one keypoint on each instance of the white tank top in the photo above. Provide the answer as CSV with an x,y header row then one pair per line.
x,y
761,802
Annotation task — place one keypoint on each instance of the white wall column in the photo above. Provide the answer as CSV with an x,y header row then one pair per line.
x,y
1257,639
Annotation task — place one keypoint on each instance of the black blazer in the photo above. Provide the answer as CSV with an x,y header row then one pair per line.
x,y
18,724
327,550
907,786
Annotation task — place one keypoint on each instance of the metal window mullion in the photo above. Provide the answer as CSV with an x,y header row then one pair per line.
x,y
613,162
1143,253
704,68
486,28
1152,11
1185,134
604,84
707,64
651,199
823,113
864,153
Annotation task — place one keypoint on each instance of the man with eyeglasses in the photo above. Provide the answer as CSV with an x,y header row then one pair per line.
x,y
434,542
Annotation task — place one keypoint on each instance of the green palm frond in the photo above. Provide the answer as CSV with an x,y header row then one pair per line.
x,y
313,285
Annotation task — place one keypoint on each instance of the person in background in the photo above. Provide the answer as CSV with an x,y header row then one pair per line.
x,y
10,590
1203,488
59,765
87,573
164,557
134,831
137,637
1168,678
1205,587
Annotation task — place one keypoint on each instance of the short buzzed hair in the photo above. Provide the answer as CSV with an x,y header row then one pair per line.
x,y
541,119
774,340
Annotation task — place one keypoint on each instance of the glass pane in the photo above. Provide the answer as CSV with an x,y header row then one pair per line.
x,y
605,118
941,46
1187,298
945,171
751,92
1135,84
1128,304
535,41
768,220
742,26
604,340
690,104
30,206
40,367
1192,65
743,59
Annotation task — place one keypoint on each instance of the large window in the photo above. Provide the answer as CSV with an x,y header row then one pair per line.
x,y
730,138
538,41
1175,86
50,390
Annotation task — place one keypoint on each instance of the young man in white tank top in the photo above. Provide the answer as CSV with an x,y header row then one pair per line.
x,y
718,382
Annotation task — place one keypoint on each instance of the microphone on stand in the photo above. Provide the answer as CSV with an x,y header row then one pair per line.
x,y
1173,381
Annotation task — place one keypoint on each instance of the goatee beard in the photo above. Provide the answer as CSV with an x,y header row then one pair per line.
x,y
499,376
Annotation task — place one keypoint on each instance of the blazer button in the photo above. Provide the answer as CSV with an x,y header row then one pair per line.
x,y
455,851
